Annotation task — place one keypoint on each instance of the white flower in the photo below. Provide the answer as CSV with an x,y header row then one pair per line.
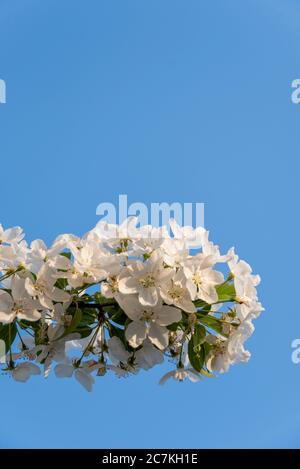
x,y
246,296
230,351
150,322
23,371
148,356
191,237
174,292
91,263
39,254
13,256
149,238
43,287
180,374
82,374
18,304
11,235
117,352
145,279
202,279
175,252
118,238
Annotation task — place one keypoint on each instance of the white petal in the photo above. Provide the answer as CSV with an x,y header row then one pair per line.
x,y
148,296
18,288
23,371
128,285
7,318
116,350
168,315
30,315
85,379
136,333
166,377
186,304
6,302
148,356
63,371
13,235
29,287
59,295
131,305
159,336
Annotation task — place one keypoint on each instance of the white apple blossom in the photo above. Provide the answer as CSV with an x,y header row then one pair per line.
x,y
11,235
23,371
174,291
43,288
18,304
145,279
149,322
83,374
201,278
180,374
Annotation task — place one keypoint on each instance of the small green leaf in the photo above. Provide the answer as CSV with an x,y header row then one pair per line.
x,y
117,315
68,255
74,323
212,323
8,334
100,299
196,351
61,283
199,336
226,291
196,358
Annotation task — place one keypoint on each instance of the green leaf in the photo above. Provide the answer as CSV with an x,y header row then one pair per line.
x,y
175,326
61,283
226,291
200,304
196,351
199,336
205,307
68,255
74,323
212,323
196,358
100,299
117,315
8,334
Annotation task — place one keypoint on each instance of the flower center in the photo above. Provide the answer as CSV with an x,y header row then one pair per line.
x,y
39,287
114,285
19,308
176,292
197,279
148,315
148,281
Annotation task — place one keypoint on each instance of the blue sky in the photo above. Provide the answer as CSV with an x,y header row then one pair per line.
x,y
164,101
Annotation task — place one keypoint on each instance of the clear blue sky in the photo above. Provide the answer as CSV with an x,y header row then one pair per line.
x,y
164,101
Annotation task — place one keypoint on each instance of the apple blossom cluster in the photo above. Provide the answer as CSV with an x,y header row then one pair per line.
x,y
122,299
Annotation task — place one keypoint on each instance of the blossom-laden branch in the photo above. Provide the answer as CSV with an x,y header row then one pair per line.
x,y
122,299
